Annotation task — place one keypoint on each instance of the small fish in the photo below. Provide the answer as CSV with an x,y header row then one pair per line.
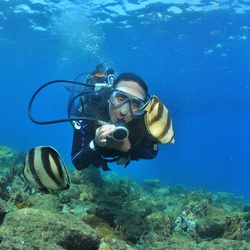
x,y
44,169
158,121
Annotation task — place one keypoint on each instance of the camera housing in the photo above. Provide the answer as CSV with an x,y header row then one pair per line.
x,y
121,132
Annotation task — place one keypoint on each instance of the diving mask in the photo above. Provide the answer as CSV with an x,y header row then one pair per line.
x,y
118,98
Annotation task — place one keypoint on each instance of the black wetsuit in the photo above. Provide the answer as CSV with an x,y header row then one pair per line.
x,y
143,145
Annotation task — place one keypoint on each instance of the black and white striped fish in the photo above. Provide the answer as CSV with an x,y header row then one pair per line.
x,y
44,169
158,121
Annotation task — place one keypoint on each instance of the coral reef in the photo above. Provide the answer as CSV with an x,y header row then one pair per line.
x,y
28,228
101,213
9,157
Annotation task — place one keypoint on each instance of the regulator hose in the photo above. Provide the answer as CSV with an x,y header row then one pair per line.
x,y
120,134
68,119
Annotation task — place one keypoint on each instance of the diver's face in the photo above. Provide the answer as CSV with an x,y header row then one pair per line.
x,y
133,89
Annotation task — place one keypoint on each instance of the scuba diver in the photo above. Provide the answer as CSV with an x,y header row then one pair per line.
x,y
120,107
114,119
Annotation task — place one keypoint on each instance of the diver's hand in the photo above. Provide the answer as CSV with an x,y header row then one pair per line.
x,y
103,139
123,146
102,133
122,161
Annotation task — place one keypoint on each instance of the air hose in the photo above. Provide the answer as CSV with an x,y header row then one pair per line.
x,y
68,119
120,133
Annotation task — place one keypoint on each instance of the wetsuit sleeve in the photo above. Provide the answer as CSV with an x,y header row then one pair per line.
x,y
82,156
144,151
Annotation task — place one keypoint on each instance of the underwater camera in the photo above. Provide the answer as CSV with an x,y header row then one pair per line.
x,y
121,132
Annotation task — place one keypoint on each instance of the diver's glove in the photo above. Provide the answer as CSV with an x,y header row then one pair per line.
x,y
158,121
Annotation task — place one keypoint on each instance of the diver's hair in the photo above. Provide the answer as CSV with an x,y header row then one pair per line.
x,y
131,77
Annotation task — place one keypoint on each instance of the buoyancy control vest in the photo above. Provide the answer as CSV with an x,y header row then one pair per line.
x,y
95,102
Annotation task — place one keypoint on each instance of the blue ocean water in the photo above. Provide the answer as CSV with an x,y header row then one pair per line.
x,y
193,54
